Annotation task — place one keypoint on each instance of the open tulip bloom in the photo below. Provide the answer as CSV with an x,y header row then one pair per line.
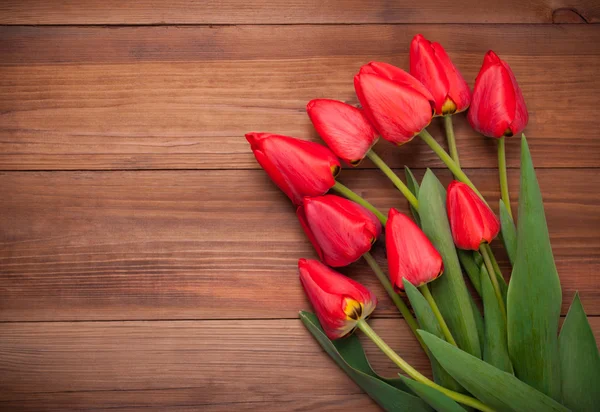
x,y
508,357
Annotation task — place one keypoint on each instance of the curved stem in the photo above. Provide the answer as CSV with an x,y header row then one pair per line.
x,y
378,161
436,311
387,285
451,139
445,157
493,278
415,374
355,197
503,177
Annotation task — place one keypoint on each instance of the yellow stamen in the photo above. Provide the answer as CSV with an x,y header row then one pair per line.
x,y
353,309
335,170
448,107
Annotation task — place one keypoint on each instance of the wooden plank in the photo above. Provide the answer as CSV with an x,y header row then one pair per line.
x,y
291,12
274,363
215,244
182,98
212,365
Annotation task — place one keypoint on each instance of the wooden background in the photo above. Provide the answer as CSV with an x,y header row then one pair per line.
x,y
147,263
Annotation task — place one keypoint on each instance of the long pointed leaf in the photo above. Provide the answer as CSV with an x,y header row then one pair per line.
x,y
509,233
413,186
495,350
497,389
436,399
427,321
390,394
449,290
471,266
534,294
579,361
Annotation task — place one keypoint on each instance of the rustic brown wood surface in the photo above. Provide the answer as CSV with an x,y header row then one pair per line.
x,y
146,262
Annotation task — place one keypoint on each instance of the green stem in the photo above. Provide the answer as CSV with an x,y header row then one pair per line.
x,y
355,197
415,374
394,178
387,285
445,157
494,261
451,139
503,177
436,311
493,278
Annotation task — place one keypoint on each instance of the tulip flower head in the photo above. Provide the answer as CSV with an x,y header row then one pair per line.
x,y
431,65
411,255
340,230
298,167
498,107
344,128
396,103
471,220
338,301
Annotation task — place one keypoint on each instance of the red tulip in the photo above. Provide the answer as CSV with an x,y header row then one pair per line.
x,y
430,64
344,128
410,254
471,220
340,230
498,108
397,104
298,167
339,302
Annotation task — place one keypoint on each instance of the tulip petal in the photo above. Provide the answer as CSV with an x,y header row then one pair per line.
x,y
342,230
411,255
298,167
398,113
331,293
426,67
344,128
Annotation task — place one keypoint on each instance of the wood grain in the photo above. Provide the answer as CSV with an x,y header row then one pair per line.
x,y
291,12
182,98
215,244
208,365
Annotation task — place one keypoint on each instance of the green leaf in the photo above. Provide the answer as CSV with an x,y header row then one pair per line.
x,y
428,321
470,265
413,186
495,349
579,361
534,295
509,233
449,290
479,322
497,389
436,399
390,394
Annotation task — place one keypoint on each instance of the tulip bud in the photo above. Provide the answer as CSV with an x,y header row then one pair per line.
x,y
431,65
298,167
471,220
340,230
396,103
410,254
498,107
344,128
338,301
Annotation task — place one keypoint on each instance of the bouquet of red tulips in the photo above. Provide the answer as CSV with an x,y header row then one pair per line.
x,y
507,356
